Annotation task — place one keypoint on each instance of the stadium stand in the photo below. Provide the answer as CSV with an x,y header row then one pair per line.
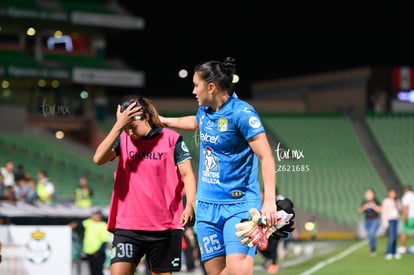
x,y
394,133
331,168
64,165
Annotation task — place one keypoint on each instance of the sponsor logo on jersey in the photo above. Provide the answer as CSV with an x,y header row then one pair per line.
x,y
254,122
204,137
145,155
211,168
210,125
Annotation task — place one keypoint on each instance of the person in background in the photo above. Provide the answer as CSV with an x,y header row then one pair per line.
x,y
390,214
76,247
407,218
95,239
371,208
45,188
31,195
2,188
10,194
20,173
21,188
83,193
8,173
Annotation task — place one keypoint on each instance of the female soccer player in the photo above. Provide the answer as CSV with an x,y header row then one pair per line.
x,y
232,141
146,213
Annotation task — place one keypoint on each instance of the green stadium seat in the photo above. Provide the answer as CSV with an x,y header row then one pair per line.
x,y
394,133
63,165
339,168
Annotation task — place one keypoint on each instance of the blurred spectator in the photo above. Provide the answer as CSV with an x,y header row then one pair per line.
x,y
371,208
45,188
8,173
21,188
31,195
95,239
2,188
76,247
10,194
20,173
189,249
270,256
407,218
83,193
390,214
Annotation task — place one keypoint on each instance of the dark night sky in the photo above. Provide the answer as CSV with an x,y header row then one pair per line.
x,y
267,42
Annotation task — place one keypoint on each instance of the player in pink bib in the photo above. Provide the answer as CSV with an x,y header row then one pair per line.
x,y
147,215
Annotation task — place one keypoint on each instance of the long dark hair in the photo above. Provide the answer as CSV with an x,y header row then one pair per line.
x,y
219,73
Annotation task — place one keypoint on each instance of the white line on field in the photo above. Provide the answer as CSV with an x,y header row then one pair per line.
x,y
335,258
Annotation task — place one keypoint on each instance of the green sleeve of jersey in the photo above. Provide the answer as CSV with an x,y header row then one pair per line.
x,y
181,152
117,148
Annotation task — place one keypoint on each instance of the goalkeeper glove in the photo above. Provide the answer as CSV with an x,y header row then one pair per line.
x,y
246,226
285,217
255,232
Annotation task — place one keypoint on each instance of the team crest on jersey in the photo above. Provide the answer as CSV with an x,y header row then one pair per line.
x,y
222,125
184,147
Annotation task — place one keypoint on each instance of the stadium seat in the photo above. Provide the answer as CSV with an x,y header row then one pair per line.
x,y
335,167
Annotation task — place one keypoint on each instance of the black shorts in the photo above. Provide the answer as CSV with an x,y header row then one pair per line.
x,y
162,249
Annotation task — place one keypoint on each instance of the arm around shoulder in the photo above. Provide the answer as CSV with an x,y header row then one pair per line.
x,y
187,123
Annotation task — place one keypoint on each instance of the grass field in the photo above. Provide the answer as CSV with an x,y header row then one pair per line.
x,y
347,257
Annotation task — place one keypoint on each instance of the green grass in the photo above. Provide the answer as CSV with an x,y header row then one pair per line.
x,y
355,263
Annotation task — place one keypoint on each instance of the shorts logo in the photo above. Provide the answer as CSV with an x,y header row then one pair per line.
x,y
254,122
175,262
222,125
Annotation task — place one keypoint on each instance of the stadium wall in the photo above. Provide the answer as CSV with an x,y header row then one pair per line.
x,y
345,90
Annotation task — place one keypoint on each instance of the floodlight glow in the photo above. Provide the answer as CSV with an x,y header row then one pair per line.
x,y
309,226
55,83
64,39
411,96
41,83
183,73
5,84
59,134
84,95
31,31
236,78
406,96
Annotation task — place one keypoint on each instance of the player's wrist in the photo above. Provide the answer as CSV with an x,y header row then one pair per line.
x,y
190,204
